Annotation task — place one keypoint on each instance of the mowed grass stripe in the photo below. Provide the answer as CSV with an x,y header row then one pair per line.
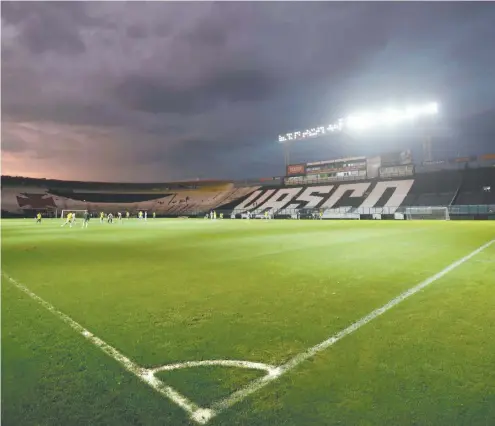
x,y
429,361
52,377
157,295
288,366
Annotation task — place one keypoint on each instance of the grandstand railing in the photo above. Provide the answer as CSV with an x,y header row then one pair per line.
x,y
466,211
455,212
303,180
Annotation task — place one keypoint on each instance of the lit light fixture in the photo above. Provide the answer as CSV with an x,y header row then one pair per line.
x,y
365,121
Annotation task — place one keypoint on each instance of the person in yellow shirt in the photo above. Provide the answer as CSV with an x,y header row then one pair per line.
x,y
102,217
68,220
38,218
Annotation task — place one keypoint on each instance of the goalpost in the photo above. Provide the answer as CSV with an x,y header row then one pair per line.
x,y
427,213
78,213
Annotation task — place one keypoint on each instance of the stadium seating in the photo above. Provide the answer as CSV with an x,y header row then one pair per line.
x,y
434,189
23,196
477,187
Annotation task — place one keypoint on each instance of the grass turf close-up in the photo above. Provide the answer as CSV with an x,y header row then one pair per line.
x,y
168,291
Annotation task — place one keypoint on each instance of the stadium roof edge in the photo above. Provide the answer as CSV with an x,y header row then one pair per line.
x,y
183,182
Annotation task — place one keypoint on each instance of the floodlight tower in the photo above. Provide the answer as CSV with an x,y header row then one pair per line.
x,y
427,144
358,123
287,153
427,155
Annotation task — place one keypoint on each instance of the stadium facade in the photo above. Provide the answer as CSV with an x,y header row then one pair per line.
x,y
383,186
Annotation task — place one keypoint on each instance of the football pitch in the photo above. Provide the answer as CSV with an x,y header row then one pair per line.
x,y
237,322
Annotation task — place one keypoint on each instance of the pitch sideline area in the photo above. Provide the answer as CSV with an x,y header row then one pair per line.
x,y
273,371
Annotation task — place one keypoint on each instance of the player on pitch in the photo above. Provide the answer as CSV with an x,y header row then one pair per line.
x,y
86,217
68,220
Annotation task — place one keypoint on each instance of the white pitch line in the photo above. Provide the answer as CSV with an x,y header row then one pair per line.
x,y
144,374
215,362
260,383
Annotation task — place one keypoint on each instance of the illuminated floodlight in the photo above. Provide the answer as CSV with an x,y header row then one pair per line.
x,y
412,112
431,108
365,121
393,116
361,121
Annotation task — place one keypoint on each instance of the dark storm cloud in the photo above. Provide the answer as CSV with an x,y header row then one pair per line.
x,y
136,31
145,94
48,34
207,34
18,12
89,114
155,91
50,26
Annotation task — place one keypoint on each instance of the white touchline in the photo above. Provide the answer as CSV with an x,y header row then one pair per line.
x,y
258,384
144,374
203,415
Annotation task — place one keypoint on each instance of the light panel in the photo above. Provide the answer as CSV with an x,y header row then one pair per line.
x,y
365,121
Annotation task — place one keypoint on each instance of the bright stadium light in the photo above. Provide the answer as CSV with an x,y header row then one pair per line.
x,y
392,116
431,108
361,121
365,121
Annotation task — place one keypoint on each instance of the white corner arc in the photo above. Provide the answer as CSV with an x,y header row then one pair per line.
x,y
270,369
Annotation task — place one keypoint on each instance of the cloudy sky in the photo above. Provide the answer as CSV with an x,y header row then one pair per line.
x,y
167,91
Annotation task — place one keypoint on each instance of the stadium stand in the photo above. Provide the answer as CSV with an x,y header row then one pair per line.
x,y
458,187
477,187
434,189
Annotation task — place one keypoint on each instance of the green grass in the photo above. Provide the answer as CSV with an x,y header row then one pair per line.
x,y
180,290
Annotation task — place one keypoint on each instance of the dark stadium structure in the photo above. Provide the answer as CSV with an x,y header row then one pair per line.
x,y
383,188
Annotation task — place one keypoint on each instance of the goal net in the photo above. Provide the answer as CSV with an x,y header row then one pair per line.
x,y
78,213
427,213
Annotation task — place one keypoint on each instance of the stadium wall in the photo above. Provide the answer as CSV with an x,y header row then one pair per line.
x,y
472,187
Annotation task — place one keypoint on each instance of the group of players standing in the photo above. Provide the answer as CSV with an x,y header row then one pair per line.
x,y
141,216
70,218
213,215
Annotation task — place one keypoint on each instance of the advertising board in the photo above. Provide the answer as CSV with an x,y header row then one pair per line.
x,y
296,169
